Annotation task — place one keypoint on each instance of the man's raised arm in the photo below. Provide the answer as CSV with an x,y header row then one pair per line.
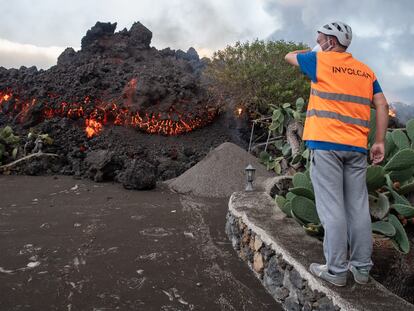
x,y
378,148
291,57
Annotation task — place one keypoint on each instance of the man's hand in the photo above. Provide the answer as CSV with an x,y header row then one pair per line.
x,y
377,153
291,56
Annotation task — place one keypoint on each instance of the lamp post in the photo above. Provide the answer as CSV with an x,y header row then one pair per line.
x,y
250,171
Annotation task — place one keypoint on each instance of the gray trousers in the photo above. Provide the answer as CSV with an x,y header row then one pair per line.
x,y
339,181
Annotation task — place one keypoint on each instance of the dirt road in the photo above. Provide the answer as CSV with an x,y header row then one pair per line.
x,y
69,244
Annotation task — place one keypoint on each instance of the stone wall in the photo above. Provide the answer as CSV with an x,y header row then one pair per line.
x,y
279,278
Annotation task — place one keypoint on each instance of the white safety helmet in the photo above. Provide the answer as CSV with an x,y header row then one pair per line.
x,y
340,30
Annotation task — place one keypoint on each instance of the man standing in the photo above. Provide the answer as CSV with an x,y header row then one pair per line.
x,y
336,130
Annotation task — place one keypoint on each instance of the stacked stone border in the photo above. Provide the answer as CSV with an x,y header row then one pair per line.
x,y
279,278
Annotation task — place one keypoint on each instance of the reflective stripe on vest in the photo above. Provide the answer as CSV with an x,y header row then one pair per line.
x,y
342,97
337,116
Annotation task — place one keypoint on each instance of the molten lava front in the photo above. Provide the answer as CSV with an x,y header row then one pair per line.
x,y
391,112
92,127
98,114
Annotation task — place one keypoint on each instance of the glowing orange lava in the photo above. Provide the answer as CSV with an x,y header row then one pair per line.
x,y
98,113
391,112
4,97
92,127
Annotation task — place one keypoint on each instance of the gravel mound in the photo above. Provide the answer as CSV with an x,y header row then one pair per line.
x,y
220,173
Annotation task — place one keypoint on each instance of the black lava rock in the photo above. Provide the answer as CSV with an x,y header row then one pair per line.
x,y
139,175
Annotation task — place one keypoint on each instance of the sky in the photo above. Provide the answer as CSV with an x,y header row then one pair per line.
x,y
35,32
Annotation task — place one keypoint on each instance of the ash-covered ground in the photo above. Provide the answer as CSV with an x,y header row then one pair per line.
x,y
72,244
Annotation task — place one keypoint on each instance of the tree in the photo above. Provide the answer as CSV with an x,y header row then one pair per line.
x,y
255,74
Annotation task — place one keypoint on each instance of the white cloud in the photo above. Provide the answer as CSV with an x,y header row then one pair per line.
x,y
386,45
14,55
204,52
179,24
365,29
209,25
293,3
407,68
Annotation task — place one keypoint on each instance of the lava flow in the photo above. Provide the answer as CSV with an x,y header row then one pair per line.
x,y
391,112
97,114
92,127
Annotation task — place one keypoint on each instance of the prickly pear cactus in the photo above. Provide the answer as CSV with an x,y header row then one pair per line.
x,y
384,228
9,144
400,239
400,139
375,177
305,210
304,192
403,159
379,206
302,180
410,129
404,209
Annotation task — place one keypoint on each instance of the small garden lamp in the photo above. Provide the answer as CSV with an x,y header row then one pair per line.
x,y
250,170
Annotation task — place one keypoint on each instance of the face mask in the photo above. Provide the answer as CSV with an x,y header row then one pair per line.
x,y
318,47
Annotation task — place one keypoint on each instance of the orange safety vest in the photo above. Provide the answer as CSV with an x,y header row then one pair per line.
x,y
340,100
